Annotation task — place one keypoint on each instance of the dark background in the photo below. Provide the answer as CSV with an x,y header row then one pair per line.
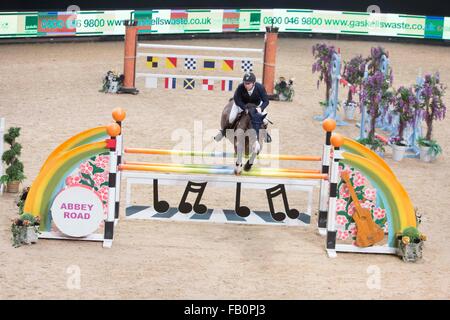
x,y
423,7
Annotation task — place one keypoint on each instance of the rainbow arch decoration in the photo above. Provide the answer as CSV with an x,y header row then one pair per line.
x,y
77,190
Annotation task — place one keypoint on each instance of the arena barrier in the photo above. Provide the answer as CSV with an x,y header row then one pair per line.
x,y
77,191
266,57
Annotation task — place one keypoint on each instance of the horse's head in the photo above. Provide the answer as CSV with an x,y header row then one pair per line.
x,y
257,121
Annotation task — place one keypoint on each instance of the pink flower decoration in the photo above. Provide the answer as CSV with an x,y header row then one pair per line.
x,y
343,191
379,213
86,168
351,209
73,180
99,178
352,229
340,205
342,235
358,180
102,161
103,193
341,220
370,194
345,169
367,204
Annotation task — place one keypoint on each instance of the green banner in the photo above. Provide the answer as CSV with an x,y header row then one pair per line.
x,y
85,23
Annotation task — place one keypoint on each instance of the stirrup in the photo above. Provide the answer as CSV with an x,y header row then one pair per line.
x,y
268,138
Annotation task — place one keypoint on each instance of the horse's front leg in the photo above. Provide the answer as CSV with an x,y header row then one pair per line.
x,y
256,149
240,145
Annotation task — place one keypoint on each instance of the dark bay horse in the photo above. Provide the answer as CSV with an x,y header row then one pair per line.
x,y
246,133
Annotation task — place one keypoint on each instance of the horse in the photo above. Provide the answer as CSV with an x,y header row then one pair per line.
x,y
246,133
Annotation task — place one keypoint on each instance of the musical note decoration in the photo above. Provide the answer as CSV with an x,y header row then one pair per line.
x,y
160,206
279,215
186,207
241,211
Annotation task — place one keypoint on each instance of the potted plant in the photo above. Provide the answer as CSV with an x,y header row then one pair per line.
x,y
429,149
431,95
25,230
375,144
405,107
376,92
323,55
353,76
284,89
411,244
14,172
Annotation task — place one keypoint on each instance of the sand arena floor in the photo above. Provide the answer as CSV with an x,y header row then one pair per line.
x,y
51,91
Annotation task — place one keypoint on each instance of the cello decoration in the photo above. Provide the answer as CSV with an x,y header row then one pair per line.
x,y
369,232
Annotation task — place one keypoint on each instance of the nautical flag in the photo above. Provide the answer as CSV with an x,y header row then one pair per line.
x,y
171,62
228,65
209,65
208,84
189,84
152,62
247,66
190,63
170,83
226,85
151,82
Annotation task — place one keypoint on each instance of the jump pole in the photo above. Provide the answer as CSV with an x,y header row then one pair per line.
x,y
129,63
270,53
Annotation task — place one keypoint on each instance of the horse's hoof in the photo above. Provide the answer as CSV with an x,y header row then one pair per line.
x,y
247,166
238,169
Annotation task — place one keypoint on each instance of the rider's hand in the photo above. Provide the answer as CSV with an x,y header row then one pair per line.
x,y
258,109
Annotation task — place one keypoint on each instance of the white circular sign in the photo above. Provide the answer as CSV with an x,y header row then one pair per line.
x,y
77,211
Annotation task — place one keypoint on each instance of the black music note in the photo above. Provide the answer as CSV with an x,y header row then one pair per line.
x,y
160,206
241,211
280,216
186,207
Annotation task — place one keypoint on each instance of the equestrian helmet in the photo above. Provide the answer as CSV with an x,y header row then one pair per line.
x,y
250,77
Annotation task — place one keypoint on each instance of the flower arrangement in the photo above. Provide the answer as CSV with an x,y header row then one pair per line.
x,y
433,107
323,55
25,229
375,143
411,244
375,93
14,172
284,89
353,75
406,105
112,82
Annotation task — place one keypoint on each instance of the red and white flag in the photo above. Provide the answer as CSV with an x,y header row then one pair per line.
x,y
208,84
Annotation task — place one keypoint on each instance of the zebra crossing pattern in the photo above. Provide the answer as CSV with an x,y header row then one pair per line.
x,y
212,216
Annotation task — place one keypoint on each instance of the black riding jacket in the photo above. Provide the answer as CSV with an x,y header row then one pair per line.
x,y
259,94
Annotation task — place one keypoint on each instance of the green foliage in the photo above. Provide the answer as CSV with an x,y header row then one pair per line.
x,y
435,148
374,143
15,169
19,228
413,234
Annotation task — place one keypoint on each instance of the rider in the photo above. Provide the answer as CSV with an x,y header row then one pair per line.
x,y
249,91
